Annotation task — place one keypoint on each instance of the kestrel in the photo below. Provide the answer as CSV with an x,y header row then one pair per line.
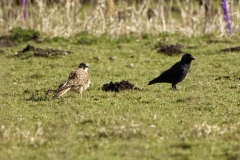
x,y
78,81
176,73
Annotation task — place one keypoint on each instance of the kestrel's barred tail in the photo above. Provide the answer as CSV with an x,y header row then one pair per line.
x,y
78,81
61,92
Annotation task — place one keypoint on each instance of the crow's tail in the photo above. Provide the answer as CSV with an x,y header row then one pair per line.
x,y
152,82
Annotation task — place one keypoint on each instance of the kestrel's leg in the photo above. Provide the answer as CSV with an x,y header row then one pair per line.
x,y
174,87
80,90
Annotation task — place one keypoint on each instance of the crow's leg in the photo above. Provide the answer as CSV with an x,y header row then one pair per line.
x,y
174,87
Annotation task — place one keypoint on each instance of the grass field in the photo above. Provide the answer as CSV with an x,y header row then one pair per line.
x,y
200,121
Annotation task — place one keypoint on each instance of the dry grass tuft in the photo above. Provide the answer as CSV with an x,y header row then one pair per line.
x,y
204,130
105,17
16,134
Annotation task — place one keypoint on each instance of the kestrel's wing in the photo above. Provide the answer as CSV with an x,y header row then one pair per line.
x,y
64,88
71,75
78,77
64,85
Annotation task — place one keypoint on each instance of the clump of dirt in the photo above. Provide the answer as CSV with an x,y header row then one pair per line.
x,y
170,50
37,95
188,99
218,41
50,91
2,51
39,52
6,42
119,86
223,77
28,48
233,49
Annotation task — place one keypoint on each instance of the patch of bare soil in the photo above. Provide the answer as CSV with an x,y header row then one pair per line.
x,y
6,42
39,52
37,95
230,78
170,50
223,77
119,86
233,49
2,51
218,41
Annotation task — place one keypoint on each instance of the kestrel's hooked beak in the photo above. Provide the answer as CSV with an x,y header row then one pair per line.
x,y
87,65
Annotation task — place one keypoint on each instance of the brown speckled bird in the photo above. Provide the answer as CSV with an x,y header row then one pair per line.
x,y
78,81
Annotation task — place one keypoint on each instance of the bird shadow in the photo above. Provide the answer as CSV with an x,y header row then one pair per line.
x,y
37,99
39,95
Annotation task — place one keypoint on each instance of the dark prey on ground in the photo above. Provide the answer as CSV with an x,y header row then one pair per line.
x,y
176,73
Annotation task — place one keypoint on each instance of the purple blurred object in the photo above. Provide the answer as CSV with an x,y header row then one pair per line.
x,y
24,5
226,18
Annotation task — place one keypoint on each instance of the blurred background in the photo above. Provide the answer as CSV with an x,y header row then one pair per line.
x,y
118,17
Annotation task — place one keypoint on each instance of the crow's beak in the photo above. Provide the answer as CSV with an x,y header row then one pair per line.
x,y
193,58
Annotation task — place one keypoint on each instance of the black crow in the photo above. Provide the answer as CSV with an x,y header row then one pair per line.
x,y
176,73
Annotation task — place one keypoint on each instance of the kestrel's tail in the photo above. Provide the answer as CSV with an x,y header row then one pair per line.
x,y
61,91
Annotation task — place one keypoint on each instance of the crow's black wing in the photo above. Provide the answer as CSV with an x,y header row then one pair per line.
x,y
169,75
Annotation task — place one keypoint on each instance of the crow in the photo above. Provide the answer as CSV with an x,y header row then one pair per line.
x,y
176,73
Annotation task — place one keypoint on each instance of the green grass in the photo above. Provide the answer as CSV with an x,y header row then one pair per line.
x,y
201,121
